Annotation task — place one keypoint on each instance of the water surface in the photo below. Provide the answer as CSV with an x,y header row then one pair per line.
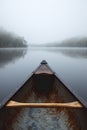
x,y
17,64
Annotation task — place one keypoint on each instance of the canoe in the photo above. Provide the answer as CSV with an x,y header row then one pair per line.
x,y
43,102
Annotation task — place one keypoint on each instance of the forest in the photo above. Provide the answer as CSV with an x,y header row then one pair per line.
x,y
9,39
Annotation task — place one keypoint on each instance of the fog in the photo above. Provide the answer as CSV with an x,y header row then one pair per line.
x,y
42,21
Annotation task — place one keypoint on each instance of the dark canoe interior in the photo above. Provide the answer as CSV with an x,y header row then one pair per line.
x,y
60,118
43,87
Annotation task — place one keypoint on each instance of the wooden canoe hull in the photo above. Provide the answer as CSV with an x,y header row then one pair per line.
x,y
43,118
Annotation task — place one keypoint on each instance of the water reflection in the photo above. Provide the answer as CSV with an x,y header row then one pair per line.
x,y
75,53
71,52
11,55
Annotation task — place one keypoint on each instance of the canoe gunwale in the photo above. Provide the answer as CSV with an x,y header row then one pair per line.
x,y
8,98
26,109
71,104
79,98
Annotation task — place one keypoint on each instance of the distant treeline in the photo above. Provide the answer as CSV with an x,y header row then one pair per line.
x,y
72,42
8,39
75,42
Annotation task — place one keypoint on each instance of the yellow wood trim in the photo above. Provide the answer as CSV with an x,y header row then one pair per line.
x,y
74,104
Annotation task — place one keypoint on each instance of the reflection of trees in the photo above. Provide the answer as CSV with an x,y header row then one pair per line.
x,y
71,52
76,53
10,55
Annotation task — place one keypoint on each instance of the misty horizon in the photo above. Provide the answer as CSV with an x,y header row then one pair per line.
x,y
11,39
44,21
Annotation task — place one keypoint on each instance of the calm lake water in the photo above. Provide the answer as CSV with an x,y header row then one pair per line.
x,y
70,64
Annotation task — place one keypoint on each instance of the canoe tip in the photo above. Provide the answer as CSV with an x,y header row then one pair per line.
x,y
43,62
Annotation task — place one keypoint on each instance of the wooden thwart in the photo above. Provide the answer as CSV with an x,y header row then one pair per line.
x,y
74,104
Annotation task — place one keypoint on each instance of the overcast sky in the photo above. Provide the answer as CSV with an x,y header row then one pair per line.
x,y
41,21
